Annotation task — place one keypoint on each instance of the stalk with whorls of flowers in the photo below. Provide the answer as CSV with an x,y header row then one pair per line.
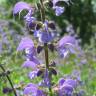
x,y
44,30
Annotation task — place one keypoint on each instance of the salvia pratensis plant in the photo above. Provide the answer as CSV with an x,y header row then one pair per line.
x,y
44,31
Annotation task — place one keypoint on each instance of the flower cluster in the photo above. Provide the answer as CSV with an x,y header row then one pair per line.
x,y
57,6
45,32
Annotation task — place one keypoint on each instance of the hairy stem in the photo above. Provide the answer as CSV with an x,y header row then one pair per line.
x,y
42,11
15,94
46,55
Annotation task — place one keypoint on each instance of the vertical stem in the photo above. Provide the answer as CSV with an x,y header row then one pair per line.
x,y
46,55
42,11
9,80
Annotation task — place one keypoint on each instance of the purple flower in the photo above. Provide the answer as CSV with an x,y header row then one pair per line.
x,y
31,59
20,6
31,55
66,40
29,64
37,33
26,42
66,86
46,33
67,44
30,52
63,52
71,82
61,81
29,15
58,10
46,78
46,81
30,20
40,93
33,90
35,60
65,90
45,37
33,74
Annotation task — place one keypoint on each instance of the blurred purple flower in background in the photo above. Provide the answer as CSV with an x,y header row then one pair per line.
x,y
8,37
65,90
76,74
66,87
61,81
0,47
71,82
33,90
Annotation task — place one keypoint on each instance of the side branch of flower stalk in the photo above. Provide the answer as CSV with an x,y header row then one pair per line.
x,y
45,44
15,94
42,11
